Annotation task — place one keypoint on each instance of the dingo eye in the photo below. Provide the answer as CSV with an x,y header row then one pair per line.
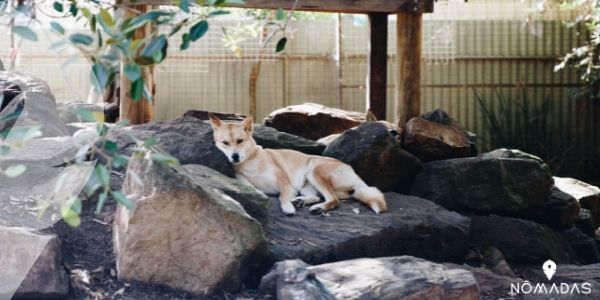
x,y
240,141
226,143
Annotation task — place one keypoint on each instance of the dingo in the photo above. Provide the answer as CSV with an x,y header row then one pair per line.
x,y
287,172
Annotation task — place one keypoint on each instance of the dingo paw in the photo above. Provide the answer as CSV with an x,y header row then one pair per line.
x,y
288,209
317,209
298,202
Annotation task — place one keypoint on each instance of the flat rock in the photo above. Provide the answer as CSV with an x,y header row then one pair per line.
x,y
413,226
269,137
584,245
182,233
431,141
313,121
31,265
521,241
587,194
505,182
376,156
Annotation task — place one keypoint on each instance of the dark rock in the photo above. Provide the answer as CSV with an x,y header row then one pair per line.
x,y
31,265
291,280
387,278
489,258
412,226
183,233
9,91
584,245
203,115
585,222
189,140
313,121
33,106
111,112
491,285
431,141
254,202
567,274
521,241
490,183
442,117
559,212
269,137
587,194
376,156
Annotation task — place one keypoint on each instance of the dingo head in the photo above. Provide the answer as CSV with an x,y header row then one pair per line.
x,y
233,139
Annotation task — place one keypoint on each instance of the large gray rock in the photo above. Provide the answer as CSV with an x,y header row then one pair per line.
x,y
269,137
33,106
492,286
31,265
413,226
182,233
584,245
431,141
587,194
376,156
503,182
403,277
521,241
313,121
68,112
560,211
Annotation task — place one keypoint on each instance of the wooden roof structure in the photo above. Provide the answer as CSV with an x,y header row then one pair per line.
x,y
408,42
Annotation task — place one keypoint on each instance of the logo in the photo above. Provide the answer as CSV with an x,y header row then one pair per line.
x,y
549,268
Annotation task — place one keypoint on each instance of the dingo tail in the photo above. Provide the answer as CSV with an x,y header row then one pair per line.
x,y
370,196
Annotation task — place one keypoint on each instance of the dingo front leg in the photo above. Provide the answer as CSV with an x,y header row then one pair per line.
x,y
285,198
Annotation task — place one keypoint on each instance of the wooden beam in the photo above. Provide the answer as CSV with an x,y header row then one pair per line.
x,y
409,37
342,6
142,110
377,80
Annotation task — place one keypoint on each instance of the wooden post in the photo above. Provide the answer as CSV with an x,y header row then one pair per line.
x,y
377,80
141,111
408,63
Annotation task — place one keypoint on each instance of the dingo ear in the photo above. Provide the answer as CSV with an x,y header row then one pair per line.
x,y
371,116
247,123
214,121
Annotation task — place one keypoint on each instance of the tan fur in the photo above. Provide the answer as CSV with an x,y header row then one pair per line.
x,y
287,172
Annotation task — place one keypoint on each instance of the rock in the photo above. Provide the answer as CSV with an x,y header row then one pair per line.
x,y
189,140
33,106
183,234
203,115
568,274
521,241
585,222
313,121
68,112
31,265
491,285
587,195
269,137
255,202
376,156
559,212
490,183
413,226
442,117
111,112
585,246
291,280
402,277
431,141
489,258
9,91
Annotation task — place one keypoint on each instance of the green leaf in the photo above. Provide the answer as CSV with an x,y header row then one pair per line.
x,y
101,76
137,89
119,161
122,199
219,12
70,217
25,32
281,44
156,49
141,20
81,38
101,201
57,27
111,147
198,30
14,171
58,6
106,17
93,24
164,158
73,9
102,173
151,141
280,15
185,41
132,71
185,5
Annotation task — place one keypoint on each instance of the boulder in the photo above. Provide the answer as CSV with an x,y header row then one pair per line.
x,y
587,194
521,241
271,138
376,156
567,274
489,258
499,182
442,117
33,106
67,112
31,265
313,121
255,202
559,212
413,226
431,141
9,91
585,222
203,115
291,280
182,233
402,277
491,285
584,246
189,140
